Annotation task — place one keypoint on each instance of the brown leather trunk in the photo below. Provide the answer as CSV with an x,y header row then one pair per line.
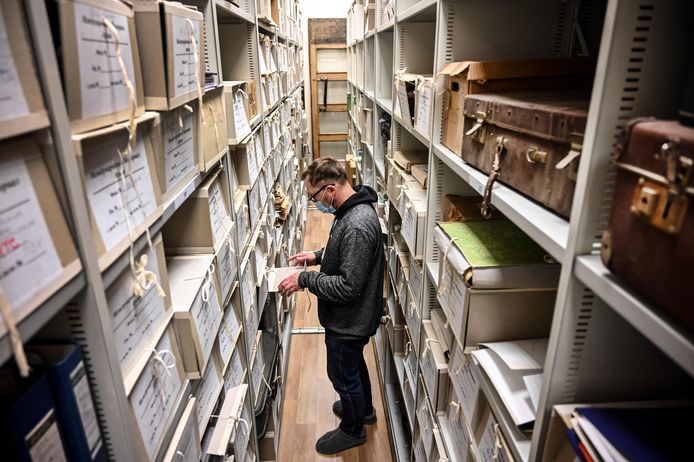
x,y
539,136
649,243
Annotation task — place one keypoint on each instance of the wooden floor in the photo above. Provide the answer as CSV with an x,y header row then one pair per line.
x,y
309,395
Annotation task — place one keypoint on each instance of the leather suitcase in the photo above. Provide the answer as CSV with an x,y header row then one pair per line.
x,y
530,141
649,243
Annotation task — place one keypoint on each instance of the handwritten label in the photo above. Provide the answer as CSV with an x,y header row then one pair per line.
x,y
43,441
102,88
234,373
423,110
240,118
420,455
179,147
85,407
135,319
28,259
184,56
12,101
206,394
207,317
219,216
415,279
154,397
110,196
228,333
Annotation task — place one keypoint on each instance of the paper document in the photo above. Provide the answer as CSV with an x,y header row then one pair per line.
x,y
12,101
277,275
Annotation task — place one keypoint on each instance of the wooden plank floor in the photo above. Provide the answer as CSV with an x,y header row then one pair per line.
x,y
309,395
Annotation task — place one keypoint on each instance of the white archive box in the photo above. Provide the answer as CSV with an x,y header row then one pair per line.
x,y
22,107
177,148
425,420
139,321
249,158
225,430
409,191
214,129
413,321
226,268
229,331
423,105
243,227
459,430
107,190
442,329
197,315
156,393
37,254
94,98
254,202
237,105
207,391
257,363
249,299
405,83
235,373
170,37
466,386
493,303
434,368
414,218
204,216
491,444
185,442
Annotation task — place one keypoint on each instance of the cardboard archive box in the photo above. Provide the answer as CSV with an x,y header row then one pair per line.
x,y
170,36
420,173
249,158
214,129
177,147
471,77
197,312
237,102
204,216
207,391
185,441
37,252
139,322
458,427
424,105
21,107
229,331
161,382
414,214
407,159
95,90
107,191
495,283
434,367
228,429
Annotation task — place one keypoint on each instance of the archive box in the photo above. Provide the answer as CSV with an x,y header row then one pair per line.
x,y
197,314
425,420
107,190
465,386
228,427
229,331
37,253
434,367
236,102
207,390
407,159
204,216
185,442
95,90
423,105
458,430
22,105
414,216
226,266
489,438
170,36
214,129
248,159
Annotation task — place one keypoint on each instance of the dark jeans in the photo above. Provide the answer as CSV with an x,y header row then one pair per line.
x,y
350,378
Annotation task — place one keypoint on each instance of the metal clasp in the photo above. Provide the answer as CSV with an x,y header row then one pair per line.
x,y
478,131
534,155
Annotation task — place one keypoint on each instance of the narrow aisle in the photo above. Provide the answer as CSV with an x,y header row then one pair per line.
x,y
309,395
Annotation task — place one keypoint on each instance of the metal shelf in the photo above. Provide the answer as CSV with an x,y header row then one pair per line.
x,y
380,167
422,11
387,26
386,104
666,335
370,34
433,271
517,441
35,320
228,11
369,94
549,230
395,419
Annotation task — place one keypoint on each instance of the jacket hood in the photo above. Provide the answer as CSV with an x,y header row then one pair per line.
x,y
363,195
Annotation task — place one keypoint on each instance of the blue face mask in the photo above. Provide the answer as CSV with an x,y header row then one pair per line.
x,y
324,208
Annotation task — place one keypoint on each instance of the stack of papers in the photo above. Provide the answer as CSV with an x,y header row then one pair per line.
x,y
515,370
277,275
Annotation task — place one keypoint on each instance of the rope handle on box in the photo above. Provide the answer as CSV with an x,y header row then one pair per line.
x,y
138,271
158,358
196,62
456,405
13,334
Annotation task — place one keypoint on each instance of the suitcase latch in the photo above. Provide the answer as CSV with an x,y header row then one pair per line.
x,y
534,156
574,153
478,131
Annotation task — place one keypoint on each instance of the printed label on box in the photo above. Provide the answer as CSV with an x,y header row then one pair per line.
x,y
135,319
12,101
252,159
207,317
423,110
403,103
487,447
465,384
154,397
266,139
240,117
179,147
219,218
206,394
110,195
184,54
187,446
85,407
459,433
227,268
234,373
228,332
259,154
43,441
28,259
103,90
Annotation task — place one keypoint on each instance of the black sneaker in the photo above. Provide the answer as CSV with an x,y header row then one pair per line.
x,y
337,441
369,419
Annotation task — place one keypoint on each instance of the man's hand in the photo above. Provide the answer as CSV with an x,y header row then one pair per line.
x,y
300,258
289,285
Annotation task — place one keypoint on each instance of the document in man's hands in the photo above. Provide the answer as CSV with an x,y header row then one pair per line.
x,y
277,275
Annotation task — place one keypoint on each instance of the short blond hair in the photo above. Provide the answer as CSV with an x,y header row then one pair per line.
x,y
324,170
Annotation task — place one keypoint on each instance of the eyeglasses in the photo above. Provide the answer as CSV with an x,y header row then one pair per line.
x,y
312,197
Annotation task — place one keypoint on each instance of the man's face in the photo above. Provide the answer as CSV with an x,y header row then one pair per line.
x,y
323,193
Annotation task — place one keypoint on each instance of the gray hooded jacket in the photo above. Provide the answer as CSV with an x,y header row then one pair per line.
x,y
349,285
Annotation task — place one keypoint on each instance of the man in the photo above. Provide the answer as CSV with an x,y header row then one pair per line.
x,y
349,288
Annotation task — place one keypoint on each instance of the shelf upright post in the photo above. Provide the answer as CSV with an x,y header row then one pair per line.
x,y
95,333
